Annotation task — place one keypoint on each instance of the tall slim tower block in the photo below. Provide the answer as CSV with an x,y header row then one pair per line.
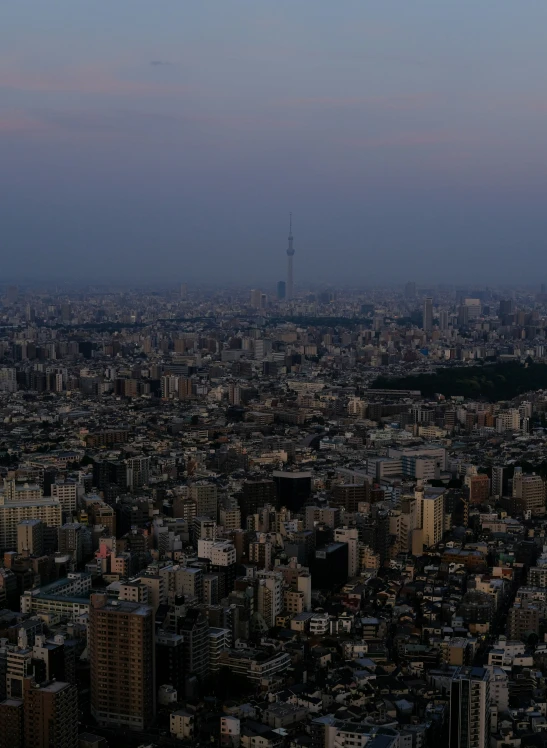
x,y
121,653
290,255
470,708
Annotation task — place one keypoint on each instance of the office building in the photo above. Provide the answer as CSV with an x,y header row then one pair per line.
x,y
410,290
473,307
256,494
428,314
122,657
469,718
170,661
293,489
329,566
281,290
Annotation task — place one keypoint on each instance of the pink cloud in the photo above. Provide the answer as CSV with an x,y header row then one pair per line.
x,y
402,102
410,139
86,81
17,123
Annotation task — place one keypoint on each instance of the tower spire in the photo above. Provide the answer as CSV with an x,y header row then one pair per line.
x,y
290,255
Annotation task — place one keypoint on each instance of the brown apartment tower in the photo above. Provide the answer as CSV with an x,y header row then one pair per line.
x,y
121,653
50,715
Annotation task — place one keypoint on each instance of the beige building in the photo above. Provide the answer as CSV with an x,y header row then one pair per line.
x,y
431,514
14,512
67,494
529,492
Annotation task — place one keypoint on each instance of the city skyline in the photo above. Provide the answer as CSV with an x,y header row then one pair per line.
x,y
408,140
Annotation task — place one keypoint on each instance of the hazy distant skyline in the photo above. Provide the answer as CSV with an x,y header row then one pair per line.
x,y
170,140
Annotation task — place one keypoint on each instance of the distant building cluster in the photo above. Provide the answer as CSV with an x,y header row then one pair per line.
x,y
273,518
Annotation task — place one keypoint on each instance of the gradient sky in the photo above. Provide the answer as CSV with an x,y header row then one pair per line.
x,y
168,140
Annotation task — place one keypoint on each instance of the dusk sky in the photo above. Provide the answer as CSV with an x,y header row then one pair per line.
x,y
169,140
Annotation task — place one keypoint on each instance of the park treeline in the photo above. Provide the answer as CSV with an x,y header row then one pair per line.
x,y
490,382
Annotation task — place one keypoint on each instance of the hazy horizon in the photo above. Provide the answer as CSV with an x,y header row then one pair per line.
x,y
158,141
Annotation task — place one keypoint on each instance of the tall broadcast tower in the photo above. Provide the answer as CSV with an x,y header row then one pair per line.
x,y
290,255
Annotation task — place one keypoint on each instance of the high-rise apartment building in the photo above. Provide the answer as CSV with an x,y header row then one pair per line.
x,y
194,628
122,656
50,715
67,494
528,492
11,723
269,594
523,619
14,512
469,708
350,495
497,481
205,496
30,537
138,470
349,535
479,489
430,505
